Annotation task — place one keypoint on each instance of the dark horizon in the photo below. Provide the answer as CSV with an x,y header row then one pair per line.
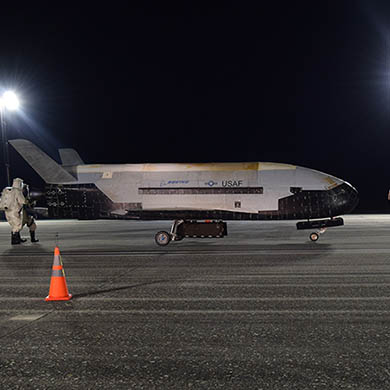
x,y
304,84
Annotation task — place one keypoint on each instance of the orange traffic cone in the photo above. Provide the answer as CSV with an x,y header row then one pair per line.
x,y
58,289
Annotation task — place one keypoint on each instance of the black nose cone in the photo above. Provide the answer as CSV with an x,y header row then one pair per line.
x,y
344,198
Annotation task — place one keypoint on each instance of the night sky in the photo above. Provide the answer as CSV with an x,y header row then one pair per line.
x,y
304,82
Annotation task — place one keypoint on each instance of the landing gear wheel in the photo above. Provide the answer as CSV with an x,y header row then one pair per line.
x,y
314,237
162,238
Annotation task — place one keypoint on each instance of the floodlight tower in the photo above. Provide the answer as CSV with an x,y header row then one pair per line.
x,y
9,101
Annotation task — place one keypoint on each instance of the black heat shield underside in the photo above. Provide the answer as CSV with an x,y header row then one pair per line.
x,y
86,201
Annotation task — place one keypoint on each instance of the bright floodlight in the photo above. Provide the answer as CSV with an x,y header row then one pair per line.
x,y
10,100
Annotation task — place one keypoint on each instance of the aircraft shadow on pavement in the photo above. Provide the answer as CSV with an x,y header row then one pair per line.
x,y
320,250
107,290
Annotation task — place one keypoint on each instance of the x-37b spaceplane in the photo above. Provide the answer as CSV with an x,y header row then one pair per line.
x,y
198,198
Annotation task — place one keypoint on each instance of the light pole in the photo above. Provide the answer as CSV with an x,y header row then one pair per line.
x,y
8,101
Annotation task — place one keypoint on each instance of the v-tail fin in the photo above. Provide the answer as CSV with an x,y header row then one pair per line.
x,y
45,166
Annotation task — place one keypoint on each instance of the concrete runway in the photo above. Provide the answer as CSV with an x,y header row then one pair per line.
x,y
263,308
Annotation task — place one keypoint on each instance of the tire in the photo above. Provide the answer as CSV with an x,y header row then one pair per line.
x,y
162,238
314,237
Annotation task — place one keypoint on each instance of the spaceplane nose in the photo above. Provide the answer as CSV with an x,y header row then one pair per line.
x,y
344,199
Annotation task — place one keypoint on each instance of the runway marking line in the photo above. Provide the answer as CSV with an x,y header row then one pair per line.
x,y
27,317
219,284
164,312
206,299
194,252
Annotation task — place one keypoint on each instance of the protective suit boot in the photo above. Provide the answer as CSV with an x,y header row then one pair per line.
x,y
33,239
20,238
15,238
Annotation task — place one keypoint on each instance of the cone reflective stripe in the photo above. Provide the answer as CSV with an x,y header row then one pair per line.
x,y
58,289
58,272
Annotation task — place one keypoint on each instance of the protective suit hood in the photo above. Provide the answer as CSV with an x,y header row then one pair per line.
x,y
17,183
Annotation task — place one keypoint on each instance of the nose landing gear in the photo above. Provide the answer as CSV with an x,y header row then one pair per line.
x,y
321,225
316,235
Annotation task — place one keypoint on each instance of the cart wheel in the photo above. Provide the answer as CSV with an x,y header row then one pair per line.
x,y
314,237
162,238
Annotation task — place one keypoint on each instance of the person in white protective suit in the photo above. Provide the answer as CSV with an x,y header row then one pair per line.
x,y
14,212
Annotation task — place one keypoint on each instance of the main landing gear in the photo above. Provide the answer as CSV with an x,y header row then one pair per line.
x,y
194,229
321,225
